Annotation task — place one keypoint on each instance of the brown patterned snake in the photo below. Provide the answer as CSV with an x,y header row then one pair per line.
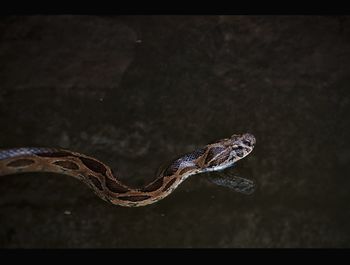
x,y
212,157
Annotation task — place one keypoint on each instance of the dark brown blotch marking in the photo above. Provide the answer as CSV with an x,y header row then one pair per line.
x,y
154,185
171,182
21,163
213,152
136,198
171,170
113,186
55,154
95,181
221,158
67,165
94,165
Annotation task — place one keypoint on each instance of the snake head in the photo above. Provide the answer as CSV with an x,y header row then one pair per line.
x,y
227,151
245,140
241,145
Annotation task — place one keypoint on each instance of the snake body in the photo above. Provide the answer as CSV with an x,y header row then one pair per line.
x,y
212,157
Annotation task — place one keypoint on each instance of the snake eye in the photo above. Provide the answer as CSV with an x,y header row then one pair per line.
x,y
247,142
237,147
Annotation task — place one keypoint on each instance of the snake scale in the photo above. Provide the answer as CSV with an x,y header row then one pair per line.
x,y
212,157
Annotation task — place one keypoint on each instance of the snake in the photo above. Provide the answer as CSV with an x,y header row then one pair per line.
x,y
215,156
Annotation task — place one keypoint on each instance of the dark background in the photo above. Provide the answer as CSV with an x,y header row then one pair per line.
x,y
136,91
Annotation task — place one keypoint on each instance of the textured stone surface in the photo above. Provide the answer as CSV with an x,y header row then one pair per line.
x,y
138,91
